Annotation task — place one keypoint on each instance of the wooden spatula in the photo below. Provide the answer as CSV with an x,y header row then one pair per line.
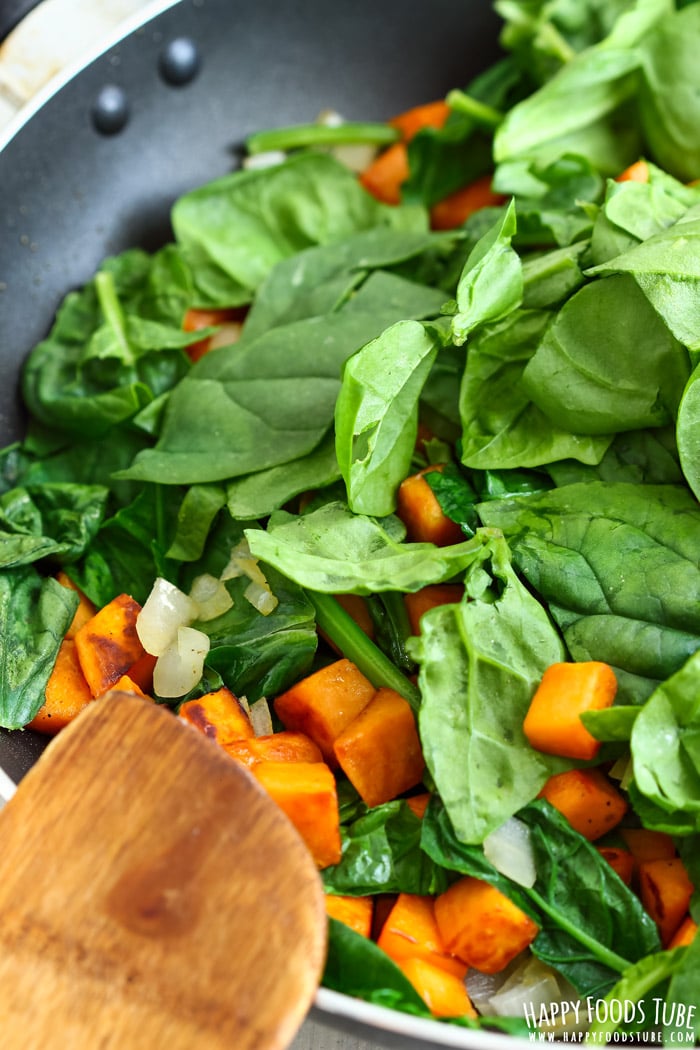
x,y
151,895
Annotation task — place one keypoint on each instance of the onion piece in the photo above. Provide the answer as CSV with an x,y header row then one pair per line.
x,y
166,609
261,597
228,333
180,667
510,851
258,593
211,596
264,160
260,717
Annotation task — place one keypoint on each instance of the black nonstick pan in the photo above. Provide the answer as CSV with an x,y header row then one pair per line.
x,y
94,166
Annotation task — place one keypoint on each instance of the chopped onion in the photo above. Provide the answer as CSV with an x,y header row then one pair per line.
x,y
166,609
229,332
211,596
260,717
356,156
180,667
510,851
261,597
532,985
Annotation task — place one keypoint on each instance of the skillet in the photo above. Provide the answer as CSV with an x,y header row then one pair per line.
x,y
93,166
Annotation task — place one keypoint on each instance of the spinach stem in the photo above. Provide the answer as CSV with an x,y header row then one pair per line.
x,y
300,135
112,310
603,954
480,112
354,644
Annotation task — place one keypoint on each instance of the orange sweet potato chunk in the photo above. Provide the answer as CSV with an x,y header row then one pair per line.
x,y
665,890
355,912
567,690
324,703
108,644
685,934
620,860
587,799
306,793
219,715
380,751
86,609
419,510
444,994
481,926
286,746
428,598
411,931
67,692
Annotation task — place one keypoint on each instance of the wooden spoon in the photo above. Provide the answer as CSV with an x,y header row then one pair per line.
x,y
152,895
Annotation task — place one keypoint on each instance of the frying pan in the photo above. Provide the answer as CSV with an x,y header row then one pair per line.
x,y
95,163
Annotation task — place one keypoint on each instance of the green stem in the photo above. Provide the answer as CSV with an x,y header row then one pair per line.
x,y
603,954
480,112
354,644
301,135
112,310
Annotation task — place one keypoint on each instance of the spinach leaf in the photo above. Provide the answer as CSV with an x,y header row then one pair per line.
x,y
688,431
607,363
334,551
258,495
684,991
195,517
376,414
668,97
56,521
553,199
233,231
635,986
382,854
491,285
269,401
646,457
617,565
36,612
665,743
502,427
480,662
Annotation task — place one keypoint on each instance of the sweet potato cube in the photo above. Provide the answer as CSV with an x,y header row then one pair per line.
x,y
665,890
644,844
355,912
86,609
108,644
428,598
67,692
379,751
444,994
141,672
620,860
324,703
411,931
306,792
482,926
219,715
419,803
587,799
127,685
419,510
553,721
685,934
286,746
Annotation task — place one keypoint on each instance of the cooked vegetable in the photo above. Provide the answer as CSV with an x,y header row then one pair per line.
x,y
411,931
108,644
588,800
444,993
219,715
553,721
455,209
665,890
285,746
355,912
685,934
306,792
324,703
67,692
620,860
379,750
481,926
86,609
422,515
430,597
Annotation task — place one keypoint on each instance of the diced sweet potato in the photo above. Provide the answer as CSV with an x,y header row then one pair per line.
x,y
455,209
482,926
141,672
67,692
419,510
665,890
355,912
685,934
411,931
553,721
127,685
587,799
419,803
286,746
444,994
219,715
620,860
306,792
644,844
380,751
428,598
324,703
86,609
108,645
